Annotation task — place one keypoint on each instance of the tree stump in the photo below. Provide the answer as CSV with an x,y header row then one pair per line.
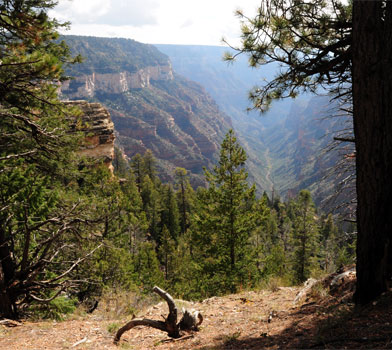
x,y
190,321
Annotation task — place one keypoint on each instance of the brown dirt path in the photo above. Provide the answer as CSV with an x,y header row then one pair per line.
x,y
237,321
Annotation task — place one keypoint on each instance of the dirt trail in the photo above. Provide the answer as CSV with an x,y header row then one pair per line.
x,y
237,321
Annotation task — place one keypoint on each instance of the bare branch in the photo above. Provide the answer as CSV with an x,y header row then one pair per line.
x,y
49,299
73,266
139,322
342,139
13,156
188,322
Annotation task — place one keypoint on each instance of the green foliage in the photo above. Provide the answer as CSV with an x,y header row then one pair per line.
x,y
305,236
147,268
224,219
151,206
120,165
166,251
170,215
68,223
36,159
185,198
310,41
56,309
113,327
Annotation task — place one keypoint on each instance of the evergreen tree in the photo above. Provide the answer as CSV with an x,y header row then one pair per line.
x,y
263,241
169,213
166,251
224,218
185,196
329,244
147,268
152,206
136,166
149,165
305,236
334,44
39,219
372,44
120,165
310,39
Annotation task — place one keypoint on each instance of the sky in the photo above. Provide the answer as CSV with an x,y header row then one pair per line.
x,y
186,22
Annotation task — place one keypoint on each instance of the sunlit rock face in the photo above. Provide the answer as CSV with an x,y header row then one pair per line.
x,y
97,124
87,85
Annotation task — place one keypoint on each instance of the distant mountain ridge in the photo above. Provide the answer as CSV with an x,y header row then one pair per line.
x,y
152,107
286,146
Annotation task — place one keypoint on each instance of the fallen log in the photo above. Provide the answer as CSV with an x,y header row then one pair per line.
x,y
190,321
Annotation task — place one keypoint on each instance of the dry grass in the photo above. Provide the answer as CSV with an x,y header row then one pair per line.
x,y
238,321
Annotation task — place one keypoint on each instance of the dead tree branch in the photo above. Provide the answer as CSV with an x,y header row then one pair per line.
x,y
170,325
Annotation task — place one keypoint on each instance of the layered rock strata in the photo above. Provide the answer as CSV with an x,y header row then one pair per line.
x,y
97,124
85,85
151,106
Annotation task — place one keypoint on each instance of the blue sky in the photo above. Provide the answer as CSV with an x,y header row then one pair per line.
x,y
196,22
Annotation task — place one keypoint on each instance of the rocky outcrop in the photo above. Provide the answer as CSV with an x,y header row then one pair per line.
x,y
178,121
152,108
97,124
86,85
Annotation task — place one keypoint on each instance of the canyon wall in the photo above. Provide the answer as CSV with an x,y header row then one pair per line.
x,y
152,107
96,123
86,85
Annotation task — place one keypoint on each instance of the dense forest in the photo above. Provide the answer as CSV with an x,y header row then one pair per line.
x,y
70,229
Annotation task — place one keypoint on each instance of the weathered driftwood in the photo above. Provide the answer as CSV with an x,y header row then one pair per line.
x,y
190,320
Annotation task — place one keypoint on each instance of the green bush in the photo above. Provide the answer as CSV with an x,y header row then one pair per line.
x,y
56,309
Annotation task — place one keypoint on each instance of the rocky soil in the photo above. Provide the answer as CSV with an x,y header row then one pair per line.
x,y
324,317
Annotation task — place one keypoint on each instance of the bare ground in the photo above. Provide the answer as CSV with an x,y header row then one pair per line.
x,y
240,321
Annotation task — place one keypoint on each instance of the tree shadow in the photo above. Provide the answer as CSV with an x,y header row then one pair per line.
x,y
333,326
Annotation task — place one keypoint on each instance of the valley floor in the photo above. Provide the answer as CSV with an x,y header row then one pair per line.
x,y
239,321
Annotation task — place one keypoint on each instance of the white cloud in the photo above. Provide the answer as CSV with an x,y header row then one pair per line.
x,y
202,22
109,12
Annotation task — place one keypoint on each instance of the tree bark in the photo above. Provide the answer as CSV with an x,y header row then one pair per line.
x,y
6,309
372,98
7,271
170,325
190,320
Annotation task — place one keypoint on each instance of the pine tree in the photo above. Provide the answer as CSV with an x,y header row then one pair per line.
x,y
149,165
224,217
334,44
305,236
147,267
185,198
372,44
170,214
166,251
152,206
136,166
120,164
329,244
37,215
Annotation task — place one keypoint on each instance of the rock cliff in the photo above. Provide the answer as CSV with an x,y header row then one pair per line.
x,y
97,124
152,107
87,85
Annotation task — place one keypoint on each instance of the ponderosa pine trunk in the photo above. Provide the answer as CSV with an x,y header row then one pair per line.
x,y
6,302
6,308
372,97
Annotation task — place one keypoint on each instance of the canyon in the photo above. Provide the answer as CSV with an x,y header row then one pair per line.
x,y
179,102
151,106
